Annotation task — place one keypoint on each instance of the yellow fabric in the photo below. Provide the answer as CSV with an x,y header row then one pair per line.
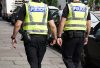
x,y
36,15
37,18
35,27
79,15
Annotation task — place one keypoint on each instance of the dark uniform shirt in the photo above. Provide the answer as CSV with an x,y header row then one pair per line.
x,y
66,12
22,13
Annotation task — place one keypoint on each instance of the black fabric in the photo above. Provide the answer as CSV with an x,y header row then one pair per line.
x,y
22,13
36,0
75,33
35,49
71,51
66,12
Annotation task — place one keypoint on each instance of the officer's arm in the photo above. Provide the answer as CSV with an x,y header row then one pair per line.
x,y
16,28
20,19
61,26
88,24
53,28
63,19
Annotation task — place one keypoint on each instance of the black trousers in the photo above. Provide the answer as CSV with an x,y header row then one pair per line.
x,y
71,50
35,49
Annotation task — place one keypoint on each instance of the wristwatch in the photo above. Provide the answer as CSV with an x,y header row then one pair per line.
x,y
12,37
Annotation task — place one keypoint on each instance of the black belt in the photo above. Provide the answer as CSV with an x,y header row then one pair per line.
x,y
38,35
75,33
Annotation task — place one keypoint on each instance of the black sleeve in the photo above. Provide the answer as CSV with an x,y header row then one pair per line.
x,y
22,13
50,17
89,16
65,11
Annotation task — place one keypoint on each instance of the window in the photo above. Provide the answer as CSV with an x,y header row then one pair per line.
x,y
98,32
97,35
93,19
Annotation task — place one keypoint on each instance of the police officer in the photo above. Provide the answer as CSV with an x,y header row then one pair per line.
x,y
35,15
76,25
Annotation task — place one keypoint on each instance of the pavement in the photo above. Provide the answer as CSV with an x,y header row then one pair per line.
x,y
16,58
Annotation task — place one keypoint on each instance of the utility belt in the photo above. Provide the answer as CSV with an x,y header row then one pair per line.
x,y
38,35
28,37
74,33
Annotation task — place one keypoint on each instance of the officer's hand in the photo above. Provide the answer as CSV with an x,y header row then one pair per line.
x,y
53,42
85,41
14,42
59,41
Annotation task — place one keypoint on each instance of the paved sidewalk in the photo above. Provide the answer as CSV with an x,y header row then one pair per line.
x,y
16,58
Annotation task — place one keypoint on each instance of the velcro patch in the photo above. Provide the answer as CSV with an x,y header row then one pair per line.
x,y
78,8
37,9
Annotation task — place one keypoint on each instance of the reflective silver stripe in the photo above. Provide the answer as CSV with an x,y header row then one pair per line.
x,y
44,16
30,14
38,31
85,16
38,23
76,19
73,13
74,25
32,19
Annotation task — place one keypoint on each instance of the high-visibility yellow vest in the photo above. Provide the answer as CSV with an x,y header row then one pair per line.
x,y
77,17
35,21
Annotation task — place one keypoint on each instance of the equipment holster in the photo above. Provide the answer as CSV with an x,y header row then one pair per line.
x,y
26,36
